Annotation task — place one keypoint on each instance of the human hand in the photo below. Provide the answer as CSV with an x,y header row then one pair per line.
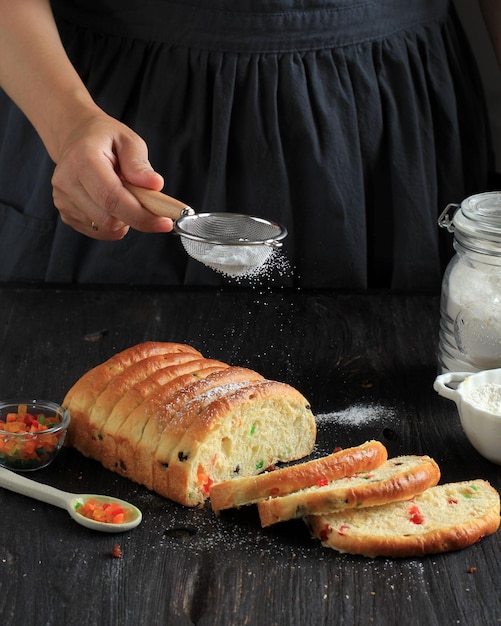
x,y
87,180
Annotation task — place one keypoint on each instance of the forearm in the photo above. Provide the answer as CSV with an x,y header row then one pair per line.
x,y
491,11
37,74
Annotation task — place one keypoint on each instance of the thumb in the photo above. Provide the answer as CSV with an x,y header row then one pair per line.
x,y
142,174
135,167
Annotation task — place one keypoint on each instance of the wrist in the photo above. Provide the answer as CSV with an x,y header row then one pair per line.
x,y
63,123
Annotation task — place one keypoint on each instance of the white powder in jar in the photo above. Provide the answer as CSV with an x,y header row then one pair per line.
x,y
472,328
487,397
467,284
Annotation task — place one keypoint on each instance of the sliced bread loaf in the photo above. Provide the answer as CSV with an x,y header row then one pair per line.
x,y
443,518
398,478
247,490
165,416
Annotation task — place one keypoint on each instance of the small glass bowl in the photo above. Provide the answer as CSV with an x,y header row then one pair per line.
x,y
41,428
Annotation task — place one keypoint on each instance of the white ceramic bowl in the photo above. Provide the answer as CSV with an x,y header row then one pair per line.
x,y
481,425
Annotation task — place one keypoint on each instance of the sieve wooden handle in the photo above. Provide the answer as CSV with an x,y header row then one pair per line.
x,y
159,203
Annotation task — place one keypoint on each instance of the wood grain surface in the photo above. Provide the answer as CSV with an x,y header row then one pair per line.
x,y
366,362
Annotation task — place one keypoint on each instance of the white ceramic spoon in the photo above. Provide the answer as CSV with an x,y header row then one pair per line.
x,y
69,501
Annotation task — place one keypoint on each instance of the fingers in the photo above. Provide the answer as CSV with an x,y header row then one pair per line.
x,y
87,188
102,227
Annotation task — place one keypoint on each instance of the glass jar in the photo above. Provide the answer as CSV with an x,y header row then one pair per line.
x,y
470,306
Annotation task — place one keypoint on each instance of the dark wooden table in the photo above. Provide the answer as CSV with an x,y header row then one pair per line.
x,y
367,365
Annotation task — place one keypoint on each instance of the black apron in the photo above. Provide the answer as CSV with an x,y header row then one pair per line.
x,y
352,122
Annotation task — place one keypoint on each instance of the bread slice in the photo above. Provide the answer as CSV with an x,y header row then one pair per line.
x,y
443,518
398,478
247,490
243,431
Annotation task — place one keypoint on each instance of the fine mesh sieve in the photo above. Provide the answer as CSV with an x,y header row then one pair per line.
x,y
230,243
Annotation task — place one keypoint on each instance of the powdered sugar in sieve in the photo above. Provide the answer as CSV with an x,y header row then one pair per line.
x,y
230,243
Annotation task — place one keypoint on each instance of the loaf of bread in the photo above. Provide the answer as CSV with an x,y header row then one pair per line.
x,y
247,490
165,416
399,478
443,518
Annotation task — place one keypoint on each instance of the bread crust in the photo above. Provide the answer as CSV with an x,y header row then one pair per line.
x,y
247,490
131,414
392,530
129,378
80,399
174,377
398,478
94,381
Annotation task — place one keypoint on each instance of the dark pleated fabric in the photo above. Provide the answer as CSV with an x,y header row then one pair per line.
x,y
351,122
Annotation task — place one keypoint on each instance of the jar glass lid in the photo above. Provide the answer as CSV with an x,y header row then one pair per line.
x,y
484,209
477,223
